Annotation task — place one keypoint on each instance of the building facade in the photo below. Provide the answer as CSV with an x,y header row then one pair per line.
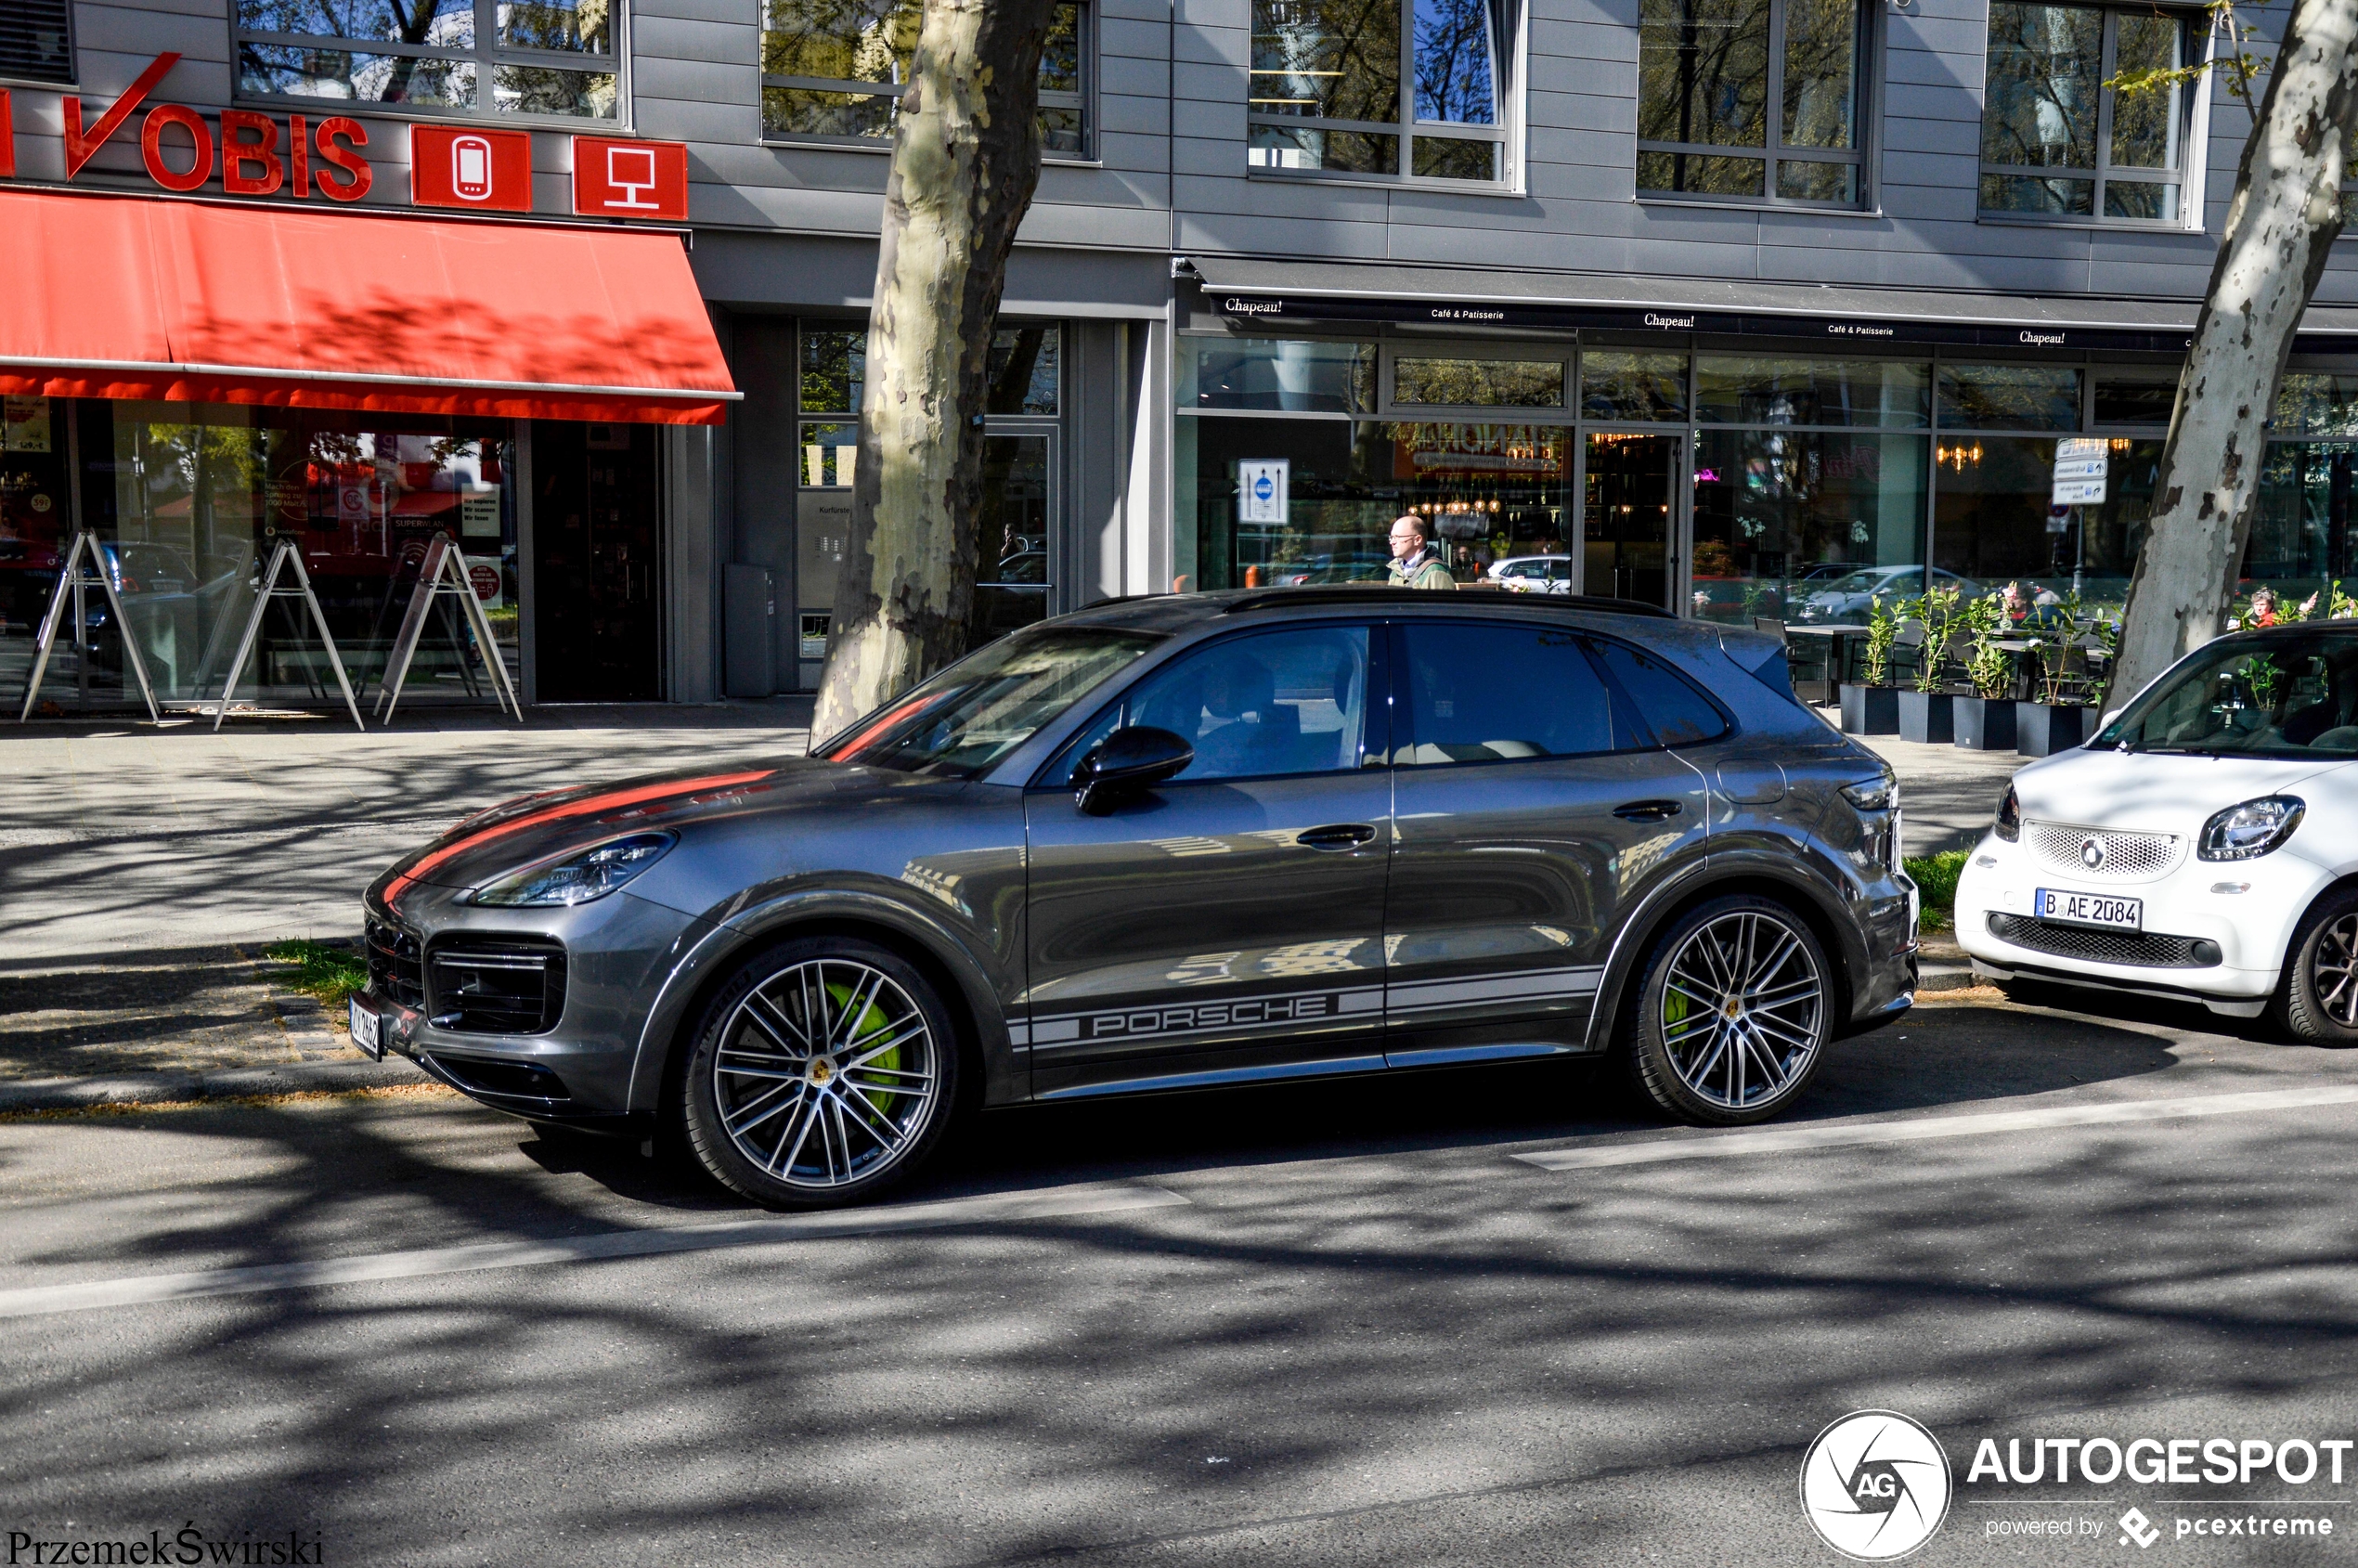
x,y
1739,306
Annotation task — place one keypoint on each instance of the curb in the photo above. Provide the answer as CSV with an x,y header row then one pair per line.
x,y
1947,977
71,1093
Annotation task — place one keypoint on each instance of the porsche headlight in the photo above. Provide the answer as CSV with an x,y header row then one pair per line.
x,y
579,878
2251,830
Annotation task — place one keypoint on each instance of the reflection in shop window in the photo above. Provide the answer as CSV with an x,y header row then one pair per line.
x,y
1326,93
439,53
1830,392
1994,520
836,69
199,496
1488,491
1023,368
1632,386
2314,404
2303,532
1806,526
1479,383
828,455
2009,397
1724,111
2138,397
1300,375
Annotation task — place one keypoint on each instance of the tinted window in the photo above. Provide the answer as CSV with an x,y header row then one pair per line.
x,y
2285,696
1491,694
1673,709
1281,702
960,723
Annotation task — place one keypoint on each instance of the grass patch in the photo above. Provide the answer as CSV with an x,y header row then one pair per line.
x,y
1936,878
330,974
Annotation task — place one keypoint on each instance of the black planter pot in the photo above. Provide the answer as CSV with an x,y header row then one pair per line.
x,y
2042,731
1869,710
1927,718
1985,724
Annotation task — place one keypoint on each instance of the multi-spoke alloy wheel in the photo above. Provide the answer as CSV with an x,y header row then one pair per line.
x,y
2317,1000
1732,1013
823,1074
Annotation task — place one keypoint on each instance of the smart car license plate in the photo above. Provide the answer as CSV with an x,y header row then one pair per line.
x,y
2101,909
364,1031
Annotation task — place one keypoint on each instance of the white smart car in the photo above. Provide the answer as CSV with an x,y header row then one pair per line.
x,y
2204,846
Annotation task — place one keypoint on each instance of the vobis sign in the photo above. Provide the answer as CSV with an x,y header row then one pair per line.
x,y
462,167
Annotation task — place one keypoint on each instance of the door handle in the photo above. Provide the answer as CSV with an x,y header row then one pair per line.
x,y
1339,836
1647,811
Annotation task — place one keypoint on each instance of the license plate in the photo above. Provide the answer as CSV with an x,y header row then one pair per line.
x,y
2101,909
364,1031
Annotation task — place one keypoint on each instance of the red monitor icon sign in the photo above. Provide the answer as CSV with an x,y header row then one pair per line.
x,y
631,172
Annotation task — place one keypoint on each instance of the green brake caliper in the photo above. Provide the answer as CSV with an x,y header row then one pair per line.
x,y
875,1087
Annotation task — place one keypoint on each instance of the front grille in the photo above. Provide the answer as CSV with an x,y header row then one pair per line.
x,y
2122,857
496,985
2148,948
396,967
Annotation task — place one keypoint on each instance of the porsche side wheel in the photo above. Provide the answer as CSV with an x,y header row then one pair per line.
x,y
824,1073
2317,1000
1732,1014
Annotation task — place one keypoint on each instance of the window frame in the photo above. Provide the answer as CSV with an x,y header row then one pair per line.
x,y
1085,101
2194,45
487,56
72,78
1867,119
1504,131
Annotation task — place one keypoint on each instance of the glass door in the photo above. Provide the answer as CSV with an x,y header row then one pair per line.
x,y
1014,532
1629,505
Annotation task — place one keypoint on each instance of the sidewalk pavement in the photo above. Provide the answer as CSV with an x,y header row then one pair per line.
x,y
145,870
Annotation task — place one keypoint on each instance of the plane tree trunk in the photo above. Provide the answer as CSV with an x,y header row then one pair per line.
x,y
965,159
2281,224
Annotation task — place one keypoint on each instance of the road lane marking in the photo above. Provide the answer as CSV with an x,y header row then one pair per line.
x,y
1790,1140
996,1209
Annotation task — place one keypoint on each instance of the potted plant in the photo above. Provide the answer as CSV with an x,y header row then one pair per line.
x,y
1985,721
1927,715
2045,723
1873,708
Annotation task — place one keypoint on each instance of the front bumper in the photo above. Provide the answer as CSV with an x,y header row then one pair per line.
x,y
2230,950
619,951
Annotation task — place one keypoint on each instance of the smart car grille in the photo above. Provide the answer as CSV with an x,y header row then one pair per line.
x,y
397,969
2120,856
495,985
2149,949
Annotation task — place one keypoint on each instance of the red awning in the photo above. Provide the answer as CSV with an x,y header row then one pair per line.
x,y
127,296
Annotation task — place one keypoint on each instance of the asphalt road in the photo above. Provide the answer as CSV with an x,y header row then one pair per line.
x,y
1314,1324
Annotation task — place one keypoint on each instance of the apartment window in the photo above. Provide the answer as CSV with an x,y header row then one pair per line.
x,y
36,41
1756,100
1382,89
2055,141
490,57
834,70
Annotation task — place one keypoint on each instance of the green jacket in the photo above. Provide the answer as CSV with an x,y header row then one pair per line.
x,y
1430,573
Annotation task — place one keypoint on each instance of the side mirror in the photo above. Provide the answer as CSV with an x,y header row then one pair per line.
x,y
1126,761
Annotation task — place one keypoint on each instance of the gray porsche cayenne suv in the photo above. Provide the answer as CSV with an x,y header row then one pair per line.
x,y
1172,843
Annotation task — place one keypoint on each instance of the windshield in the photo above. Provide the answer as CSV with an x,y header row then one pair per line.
x,y
2286,697
960,723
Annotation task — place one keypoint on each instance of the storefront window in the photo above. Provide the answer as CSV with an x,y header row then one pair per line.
x,y
1479,383
200,497
2009,397
36,525
1298,375
1023,371
1632,386
1994,522
2311,403
1486,490
2140,398
1832,391
2303,534
1805,526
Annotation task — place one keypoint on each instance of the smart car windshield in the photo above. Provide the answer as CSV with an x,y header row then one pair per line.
x,y
960,723
2291,696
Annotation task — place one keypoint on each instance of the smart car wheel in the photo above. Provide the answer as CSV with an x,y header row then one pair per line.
x,y
2317,1000
1732,1013
824,1073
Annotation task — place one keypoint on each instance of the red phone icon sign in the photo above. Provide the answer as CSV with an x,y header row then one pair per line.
x,y
471,168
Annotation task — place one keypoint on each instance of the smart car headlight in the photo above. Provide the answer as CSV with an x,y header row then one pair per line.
x,y
2009,824
2251,830
577,877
